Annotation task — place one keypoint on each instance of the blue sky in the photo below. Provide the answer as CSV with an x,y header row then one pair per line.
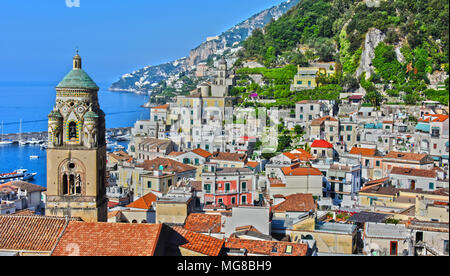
x,y
38,37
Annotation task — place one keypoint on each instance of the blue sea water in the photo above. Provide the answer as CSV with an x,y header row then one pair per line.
x,y
32,102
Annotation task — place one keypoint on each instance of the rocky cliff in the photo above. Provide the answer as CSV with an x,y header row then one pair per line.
x,y
142,80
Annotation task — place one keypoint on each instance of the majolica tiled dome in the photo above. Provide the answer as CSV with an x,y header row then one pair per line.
x,y
77,78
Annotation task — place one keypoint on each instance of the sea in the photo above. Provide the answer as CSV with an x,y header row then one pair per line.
x,y
32,102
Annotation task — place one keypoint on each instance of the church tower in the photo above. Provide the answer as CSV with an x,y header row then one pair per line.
x,y
76,154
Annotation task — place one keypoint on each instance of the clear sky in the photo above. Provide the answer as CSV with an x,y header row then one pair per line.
x,y
38,37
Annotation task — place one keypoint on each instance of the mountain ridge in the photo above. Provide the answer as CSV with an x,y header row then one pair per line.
x,y
144,79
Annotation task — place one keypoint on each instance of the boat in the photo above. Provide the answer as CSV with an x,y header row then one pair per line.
x,y
126,137
34,157
119,147
4,142
21,174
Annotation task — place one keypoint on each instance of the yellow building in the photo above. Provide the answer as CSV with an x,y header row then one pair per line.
x,y
306,76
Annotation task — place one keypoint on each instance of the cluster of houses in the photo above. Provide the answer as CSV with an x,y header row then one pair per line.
x,y
194,182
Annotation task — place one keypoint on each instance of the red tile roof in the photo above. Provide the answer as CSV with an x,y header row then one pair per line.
x,y
440,118
252,164
175,153
267,248
109,239
30,233
203,153
320,121
161,107
406,156
321,144
144,202
276,183
302,156
203,223
168,165
363,151
25,186
296,203
414,172
227,156
300,171
199,243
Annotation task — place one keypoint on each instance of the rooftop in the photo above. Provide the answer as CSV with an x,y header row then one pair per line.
x,y
296,203
196,242
144,202
203,223
109,239
268,248
321,144
414,172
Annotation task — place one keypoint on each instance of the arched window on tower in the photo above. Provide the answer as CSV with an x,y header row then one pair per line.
x,y
73,130
72,184
65,185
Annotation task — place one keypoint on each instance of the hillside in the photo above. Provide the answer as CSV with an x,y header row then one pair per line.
x,y
396,49
146,79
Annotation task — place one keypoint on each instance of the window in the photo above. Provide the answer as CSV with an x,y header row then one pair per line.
x,y
233,200
244,200
197,162
309,83
349,128
331,129
301,116
207,188
435,146
431,186
301,108
331,138
227,187
149,184
446,247
394,248
358,138
220,201
310,117
169,182
299,82
378,163
349,137
312,107
244,186
73,133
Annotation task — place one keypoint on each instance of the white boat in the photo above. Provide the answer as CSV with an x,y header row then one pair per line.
x,y
34,157
16,175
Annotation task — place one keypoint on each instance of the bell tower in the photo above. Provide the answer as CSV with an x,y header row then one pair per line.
x,y
76,154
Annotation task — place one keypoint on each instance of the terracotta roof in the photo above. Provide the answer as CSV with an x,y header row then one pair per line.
x,y
296,203
196,242
300,171
406,156
120,156
25,186
302,156
388,122
30,233
414,172
267,248
440,118
176,153
161,107
109,239
276,183
247,228
307,102
227,156
376,189
321,144
363,151
377,181
168,165
252,164
113,214
144,202
203,153
320,121
203,223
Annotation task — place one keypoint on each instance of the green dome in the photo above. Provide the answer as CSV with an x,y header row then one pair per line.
x,y
55,114
90,115
77,78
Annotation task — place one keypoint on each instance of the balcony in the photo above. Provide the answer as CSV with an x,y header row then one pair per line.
x,y
226,192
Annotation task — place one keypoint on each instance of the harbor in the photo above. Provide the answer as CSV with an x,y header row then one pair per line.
x,y
36,138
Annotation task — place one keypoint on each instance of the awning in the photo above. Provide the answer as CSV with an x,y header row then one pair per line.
x,y
423,127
